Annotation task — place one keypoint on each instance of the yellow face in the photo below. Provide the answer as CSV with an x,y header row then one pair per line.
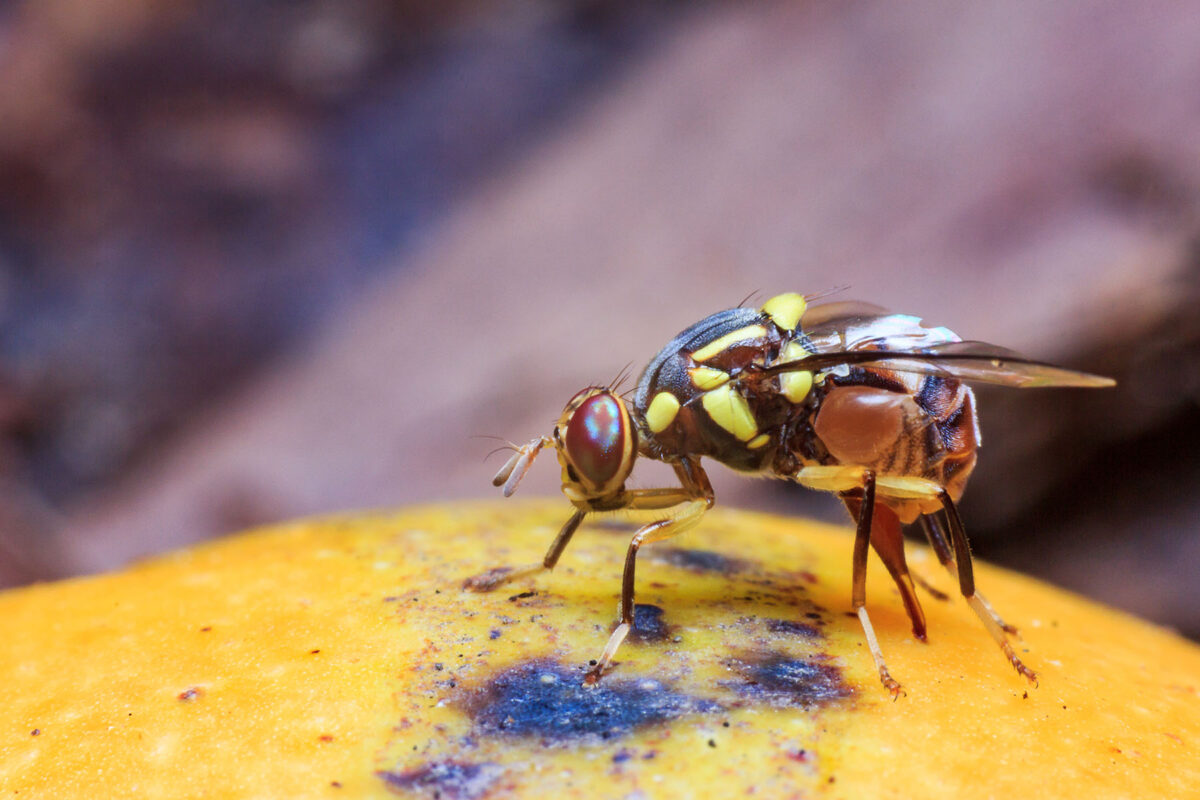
x,y
597,445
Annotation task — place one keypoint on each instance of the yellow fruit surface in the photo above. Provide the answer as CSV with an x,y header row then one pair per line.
x,y
341,658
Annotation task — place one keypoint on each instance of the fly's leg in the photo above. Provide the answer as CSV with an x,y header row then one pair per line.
x,y
937,543
855,484
879,527
858,592
966,582
888,540
937,540
697,493
498,576
847,480
509,476
654,532
1011,630
930,589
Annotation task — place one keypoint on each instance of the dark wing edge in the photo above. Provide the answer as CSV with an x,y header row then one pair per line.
x,y
976,362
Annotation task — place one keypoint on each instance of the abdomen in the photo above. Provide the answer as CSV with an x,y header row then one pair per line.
x,y
899,424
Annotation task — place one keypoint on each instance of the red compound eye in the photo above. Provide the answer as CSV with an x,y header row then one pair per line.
x,y
596,438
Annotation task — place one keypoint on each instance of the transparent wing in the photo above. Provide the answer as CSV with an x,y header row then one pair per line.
x,y
853,325
860,334
968,361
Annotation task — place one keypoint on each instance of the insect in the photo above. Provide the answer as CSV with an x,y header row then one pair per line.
x,y
841,397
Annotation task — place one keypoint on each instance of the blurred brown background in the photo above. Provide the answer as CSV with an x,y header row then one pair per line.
x,y
263,258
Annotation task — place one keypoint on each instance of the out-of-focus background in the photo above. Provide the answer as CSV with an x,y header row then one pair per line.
x,y
268,258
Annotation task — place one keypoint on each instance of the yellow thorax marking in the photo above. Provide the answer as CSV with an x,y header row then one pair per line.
x,y
730,410
785,310
661,412
758,441
795,386
722,343
706,378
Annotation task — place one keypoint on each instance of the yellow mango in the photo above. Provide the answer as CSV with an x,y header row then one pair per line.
x,y
341,658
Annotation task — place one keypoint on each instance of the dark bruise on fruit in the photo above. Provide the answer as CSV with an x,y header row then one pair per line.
x,y
648,624
699,560
446,780
781,680
788,627
547,700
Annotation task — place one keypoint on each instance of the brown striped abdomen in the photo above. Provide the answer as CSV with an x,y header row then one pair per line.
x,y
900,424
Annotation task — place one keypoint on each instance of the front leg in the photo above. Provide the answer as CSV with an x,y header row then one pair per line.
x,y
498,576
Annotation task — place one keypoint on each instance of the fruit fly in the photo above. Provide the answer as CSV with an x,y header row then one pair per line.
x,y
841,397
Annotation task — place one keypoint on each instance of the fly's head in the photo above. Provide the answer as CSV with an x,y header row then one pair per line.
x,y
597,445
596,441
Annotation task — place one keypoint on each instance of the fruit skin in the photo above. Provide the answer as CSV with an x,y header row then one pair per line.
x,y
340,658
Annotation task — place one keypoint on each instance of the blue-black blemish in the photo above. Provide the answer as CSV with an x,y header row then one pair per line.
x,y
780,680
648,624
448,780
548,700
494,633
789,627
699,560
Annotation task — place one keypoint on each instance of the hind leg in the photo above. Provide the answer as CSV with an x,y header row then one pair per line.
x,y
966,582
498,576
937,541
846,481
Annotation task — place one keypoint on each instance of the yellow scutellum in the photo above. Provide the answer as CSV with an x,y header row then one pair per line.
x,y
785,310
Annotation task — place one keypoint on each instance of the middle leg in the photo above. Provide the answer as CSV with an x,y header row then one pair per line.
x,y
937,543
887,538
858,592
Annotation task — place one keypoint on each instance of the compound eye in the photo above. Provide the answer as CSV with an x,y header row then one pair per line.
x,y
597,439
